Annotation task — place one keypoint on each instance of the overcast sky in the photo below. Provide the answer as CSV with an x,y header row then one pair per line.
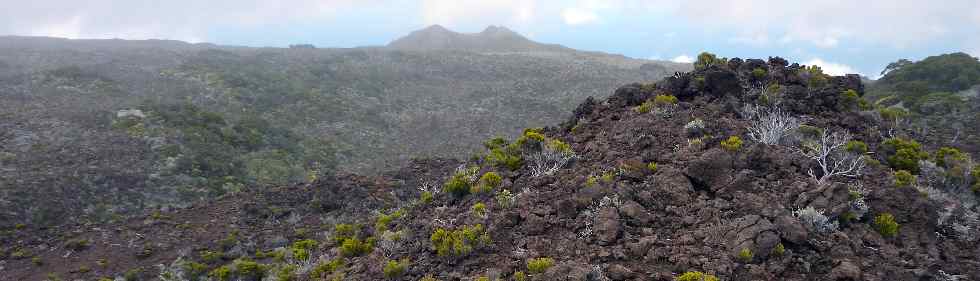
x,y
842,35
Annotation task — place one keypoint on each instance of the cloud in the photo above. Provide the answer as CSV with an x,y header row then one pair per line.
x,y
683,59
831,68
827,24
578,16
478,12
142,19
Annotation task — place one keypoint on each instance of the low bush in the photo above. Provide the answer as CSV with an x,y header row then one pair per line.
x,y
885,225
745,255
480,210
858,147
696,276
779,250
459,242
301,249
324,269
539,265
733,143
250,269
394,269
904,154
904,178
661,100
352,247
652,166
505,199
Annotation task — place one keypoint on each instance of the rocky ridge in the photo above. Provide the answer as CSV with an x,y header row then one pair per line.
x,y
654,188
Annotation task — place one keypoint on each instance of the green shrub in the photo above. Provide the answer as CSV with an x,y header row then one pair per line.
x,y
343,231
520,276
210,256
381,224
286,273
488,182
759,73
195,269
643,108
850,100
745,255
322,270
779,250
696,276
37,261
457,185
885,225
591,180
652,166
947,157
459,242
856,146
706,59
976,179
479,209
248,268
559,146
893,113
505,199
815,76
428,277
352,247
506,158
608,176
733,143
904,154
661,100
301,249
539,265
393,269
904,178
222,273
495,143
426,197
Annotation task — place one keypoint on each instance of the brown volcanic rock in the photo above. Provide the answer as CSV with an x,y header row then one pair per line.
x,y
695,213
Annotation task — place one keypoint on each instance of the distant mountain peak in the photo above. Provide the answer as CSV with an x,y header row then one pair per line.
x,y
492,39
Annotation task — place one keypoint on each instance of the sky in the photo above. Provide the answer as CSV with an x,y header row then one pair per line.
x,y
842,36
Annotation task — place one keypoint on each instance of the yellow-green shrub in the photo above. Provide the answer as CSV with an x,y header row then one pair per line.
x,y
459,242
352,247
393,269
745,255
539,265
904,178
696,276
885,225
661,100
733,143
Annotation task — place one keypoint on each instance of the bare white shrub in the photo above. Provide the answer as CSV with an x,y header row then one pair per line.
x,y
815,220
548,161
769,124
172,272
830,153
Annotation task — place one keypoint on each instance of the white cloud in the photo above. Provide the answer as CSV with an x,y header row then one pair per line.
x,y
141,19
478,12
683,59
827,24
831,68
578,16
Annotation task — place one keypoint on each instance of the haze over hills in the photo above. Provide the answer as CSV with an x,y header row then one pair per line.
x,y
214,119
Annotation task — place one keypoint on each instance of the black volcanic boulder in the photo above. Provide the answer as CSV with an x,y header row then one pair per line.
x,y
629,95
720,82
849,81
712,171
